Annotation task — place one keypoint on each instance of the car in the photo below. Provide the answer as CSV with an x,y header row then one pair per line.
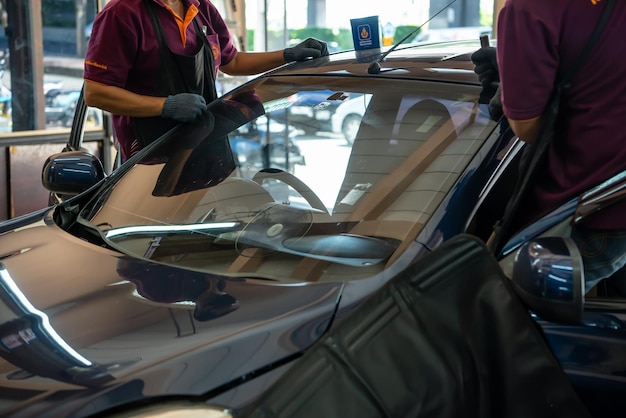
x,y
190,279
309,112
61,105
584,330
346,119
429,344
254,149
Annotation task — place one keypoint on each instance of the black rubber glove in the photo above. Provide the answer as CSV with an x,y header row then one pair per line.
x,y
183,107
495,105
309,48
486,67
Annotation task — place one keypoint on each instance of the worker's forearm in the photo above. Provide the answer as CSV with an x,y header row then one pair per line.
x,y
526,130
250,63
122,102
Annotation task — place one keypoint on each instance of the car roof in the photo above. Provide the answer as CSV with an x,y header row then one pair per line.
x,y
448,62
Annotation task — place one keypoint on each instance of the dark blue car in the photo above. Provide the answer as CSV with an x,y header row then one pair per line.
x,y
191,279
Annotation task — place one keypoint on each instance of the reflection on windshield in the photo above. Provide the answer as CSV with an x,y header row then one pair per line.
x,y
293,180
208,295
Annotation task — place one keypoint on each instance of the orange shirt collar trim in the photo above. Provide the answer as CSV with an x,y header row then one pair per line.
x,y
192,12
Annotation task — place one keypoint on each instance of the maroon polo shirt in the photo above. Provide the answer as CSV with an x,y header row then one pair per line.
x,y
124,51
537,41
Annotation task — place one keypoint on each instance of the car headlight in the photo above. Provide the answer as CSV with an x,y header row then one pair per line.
x,y
178,409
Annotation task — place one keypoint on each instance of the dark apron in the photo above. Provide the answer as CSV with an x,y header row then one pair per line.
x,y
177,74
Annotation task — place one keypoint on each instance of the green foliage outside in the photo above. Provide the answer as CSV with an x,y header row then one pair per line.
x,y
486,18
486,13
249,40
337,39
402,31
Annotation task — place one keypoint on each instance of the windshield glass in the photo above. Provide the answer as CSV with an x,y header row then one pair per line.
x,y
297,178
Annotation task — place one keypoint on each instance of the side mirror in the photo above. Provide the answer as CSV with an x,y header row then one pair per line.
x,y
71,173
548,277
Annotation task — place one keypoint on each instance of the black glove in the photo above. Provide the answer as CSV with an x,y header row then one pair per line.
x,y
495,105
309,48
183,107
486,67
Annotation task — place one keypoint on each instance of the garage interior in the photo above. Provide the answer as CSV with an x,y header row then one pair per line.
x,y
26,143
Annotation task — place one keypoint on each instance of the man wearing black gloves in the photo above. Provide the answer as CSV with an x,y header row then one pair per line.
x,y
486,67
538,42
153,64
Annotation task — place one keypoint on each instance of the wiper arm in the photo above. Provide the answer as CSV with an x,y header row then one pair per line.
x,y
88,231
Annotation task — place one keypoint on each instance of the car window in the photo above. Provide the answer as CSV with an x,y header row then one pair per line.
x,y
264,184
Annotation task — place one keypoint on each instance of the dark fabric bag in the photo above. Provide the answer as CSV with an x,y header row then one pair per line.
x,y
448,338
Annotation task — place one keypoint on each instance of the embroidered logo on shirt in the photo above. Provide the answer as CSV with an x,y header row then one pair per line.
x,y
95,64
216,51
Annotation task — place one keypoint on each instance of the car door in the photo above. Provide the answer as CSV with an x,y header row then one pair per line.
x,y
592,352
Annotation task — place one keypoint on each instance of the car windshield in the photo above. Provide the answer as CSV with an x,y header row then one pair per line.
x,y
297,178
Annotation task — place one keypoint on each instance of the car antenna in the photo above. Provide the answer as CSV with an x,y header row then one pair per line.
x,y
374,67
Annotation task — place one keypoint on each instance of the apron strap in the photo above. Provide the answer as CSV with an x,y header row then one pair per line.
x,y
164,53
210,91
209,67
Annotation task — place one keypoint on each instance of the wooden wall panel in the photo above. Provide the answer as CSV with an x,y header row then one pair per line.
x,y
25,193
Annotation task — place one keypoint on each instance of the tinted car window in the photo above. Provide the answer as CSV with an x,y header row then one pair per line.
x,y
246,191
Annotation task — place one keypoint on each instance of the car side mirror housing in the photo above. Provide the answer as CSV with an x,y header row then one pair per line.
x,y
71,173
548,277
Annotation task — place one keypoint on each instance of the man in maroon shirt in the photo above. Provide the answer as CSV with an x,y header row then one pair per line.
x,y
153,63
537,42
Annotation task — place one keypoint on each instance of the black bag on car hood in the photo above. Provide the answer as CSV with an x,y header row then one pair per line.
x,y
447,338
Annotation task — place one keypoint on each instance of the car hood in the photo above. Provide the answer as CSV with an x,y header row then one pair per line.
x,y
86,328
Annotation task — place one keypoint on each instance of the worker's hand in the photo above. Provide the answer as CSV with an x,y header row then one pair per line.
x,y
183,107
495,105
309,48
486,66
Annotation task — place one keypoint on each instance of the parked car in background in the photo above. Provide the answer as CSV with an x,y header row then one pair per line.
x,y
59,102
347,117
460,33
191,279
309,111
254,149
61,106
